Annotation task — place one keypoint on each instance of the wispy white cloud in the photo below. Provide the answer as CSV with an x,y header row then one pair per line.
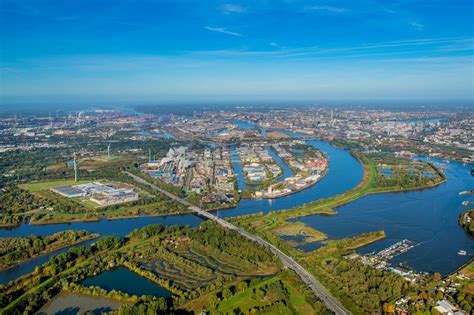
x,y
273,44
417,25
229,8
327,8
451,59
222,30
438,46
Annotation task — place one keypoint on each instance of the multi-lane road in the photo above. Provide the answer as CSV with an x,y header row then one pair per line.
x,y
287,261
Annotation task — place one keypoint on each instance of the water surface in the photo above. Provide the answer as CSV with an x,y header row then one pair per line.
x,y
119,227
29,265
344,173
126,281
428,217
73,304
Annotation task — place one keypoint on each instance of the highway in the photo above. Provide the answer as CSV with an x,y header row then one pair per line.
x,y
287,261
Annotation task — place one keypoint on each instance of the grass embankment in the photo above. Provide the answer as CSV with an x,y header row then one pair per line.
x,y
326,206
343,246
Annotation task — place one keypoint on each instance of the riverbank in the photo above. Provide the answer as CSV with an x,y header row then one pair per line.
x,y
301,188
365,187
262,223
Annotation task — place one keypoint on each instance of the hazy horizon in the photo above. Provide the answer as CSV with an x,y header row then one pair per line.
x,y
187,51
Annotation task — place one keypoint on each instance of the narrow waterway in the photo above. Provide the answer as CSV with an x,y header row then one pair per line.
x,y
119,227
287,172
344,173
242,124
237,166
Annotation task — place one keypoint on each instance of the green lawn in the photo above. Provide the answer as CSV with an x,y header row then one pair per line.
x,y
89,204
244,299
38,186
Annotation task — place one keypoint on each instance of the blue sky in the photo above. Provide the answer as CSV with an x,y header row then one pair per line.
x,y
138,51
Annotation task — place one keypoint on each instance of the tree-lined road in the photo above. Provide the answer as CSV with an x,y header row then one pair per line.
x,y
287,261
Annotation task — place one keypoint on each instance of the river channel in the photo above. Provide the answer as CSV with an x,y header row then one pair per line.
x,y
428,217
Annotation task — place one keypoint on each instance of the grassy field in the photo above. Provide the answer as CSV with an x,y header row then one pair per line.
x,y
92,163
468,283
300,229
56,166
247,299
277,135
38,186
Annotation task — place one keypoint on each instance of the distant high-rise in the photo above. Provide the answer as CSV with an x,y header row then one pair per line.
x,y
108,151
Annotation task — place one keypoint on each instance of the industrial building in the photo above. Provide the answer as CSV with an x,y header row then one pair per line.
x,y
102,194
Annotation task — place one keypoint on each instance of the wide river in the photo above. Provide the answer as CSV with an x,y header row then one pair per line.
x,y
428,217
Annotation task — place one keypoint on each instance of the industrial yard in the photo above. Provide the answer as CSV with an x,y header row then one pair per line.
x,y
101,194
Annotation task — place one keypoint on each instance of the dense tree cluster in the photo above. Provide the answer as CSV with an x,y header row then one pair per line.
x,y
14,202
364,288
210,234
147,306
150,230
109,243
14,250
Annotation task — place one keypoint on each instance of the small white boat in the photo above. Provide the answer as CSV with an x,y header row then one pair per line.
x,y
462,252
465,203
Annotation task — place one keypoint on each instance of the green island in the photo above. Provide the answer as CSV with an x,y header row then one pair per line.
x,y
15,250
466,220
205,268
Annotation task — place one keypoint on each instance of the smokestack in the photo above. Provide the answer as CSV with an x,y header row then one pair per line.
x,y
75,168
